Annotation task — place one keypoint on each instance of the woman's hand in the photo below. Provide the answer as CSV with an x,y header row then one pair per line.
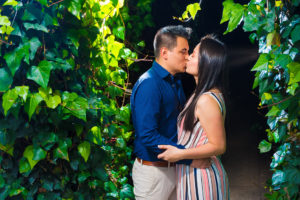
x,y
171,153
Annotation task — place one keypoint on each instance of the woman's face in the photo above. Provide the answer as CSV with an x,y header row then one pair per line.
x,y
192,64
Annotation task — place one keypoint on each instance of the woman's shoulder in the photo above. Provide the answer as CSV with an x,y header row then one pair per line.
x,y
208,100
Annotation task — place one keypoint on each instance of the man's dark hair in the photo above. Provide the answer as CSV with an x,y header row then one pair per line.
x,y
167,37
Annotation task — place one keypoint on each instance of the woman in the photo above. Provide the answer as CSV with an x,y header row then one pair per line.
x,y
201,126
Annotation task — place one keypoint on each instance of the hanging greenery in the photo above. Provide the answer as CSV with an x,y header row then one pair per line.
x,y
64,114
275,25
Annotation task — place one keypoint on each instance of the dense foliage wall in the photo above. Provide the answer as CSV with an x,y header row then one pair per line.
x,y
64,114
276,28
275,25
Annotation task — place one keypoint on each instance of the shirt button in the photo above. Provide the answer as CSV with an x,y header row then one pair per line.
x,y
173,85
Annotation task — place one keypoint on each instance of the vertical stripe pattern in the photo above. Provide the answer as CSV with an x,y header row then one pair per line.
x,y
201,184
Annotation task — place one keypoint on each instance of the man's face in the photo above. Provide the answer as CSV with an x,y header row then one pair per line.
x,y
178,56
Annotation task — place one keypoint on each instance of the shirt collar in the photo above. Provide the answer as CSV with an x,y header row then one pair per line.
x,y
162,72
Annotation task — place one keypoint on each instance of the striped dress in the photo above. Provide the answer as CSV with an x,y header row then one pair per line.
x,y
201,184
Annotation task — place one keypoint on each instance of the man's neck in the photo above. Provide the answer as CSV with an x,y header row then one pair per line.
x,y
163,64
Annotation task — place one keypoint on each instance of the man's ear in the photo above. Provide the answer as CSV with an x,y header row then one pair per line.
x,y
164,53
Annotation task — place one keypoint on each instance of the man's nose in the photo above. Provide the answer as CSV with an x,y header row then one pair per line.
x,y
187,56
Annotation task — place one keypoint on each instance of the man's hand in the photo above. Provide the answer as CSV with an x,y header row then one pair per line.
x,y
201,163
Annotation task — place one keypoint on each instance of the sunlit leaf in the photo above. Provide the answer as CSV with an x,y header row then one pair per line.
x,y
233,12
262,63
28,153
4,21
32,103
22,91
10,3
8,99
192,9
294,69
84,149
95,135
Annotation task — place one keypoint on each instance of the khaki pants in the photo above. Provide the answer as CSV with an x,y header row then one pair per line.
x,y
153,183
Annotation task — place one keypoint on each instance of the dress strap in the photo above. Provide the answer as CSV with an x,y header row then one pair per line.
x,y
219,100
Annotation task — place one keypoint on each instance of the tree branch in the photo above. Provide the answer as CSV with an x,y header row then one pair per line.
x,y
55,3
279,102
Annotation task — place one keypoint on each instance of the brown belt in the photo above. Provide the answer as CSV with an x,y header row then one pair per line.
x,y
155,163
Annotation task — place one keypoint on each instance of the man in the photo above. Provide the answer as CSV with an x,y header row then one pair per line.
x,y
156,101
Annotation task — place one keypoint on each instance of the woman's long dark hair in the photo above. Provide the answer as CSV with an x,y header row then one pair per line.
x,y
211,74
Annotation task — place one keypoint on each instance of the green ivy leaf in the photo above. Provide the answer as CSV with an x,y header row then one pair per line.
x,y
296,2
16,191
41,73
76,107
84,149
74,7
5,80
39,154
83,176
28,153
32,103
95,135
110,186
10,3
273,38
37,27
294,69
53,101
273,112
34,45
43,2
126,192
264,146
262,63
62,150
192,9
295,34
22,91
292,88
232,12
8,148
120,3
8,99
278,177
4,21
24,165
14,58
119,32
2,181
141,44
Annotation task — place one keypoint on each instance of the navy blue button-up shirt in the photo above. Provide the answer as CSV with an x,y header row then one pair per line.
x,y
156,101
